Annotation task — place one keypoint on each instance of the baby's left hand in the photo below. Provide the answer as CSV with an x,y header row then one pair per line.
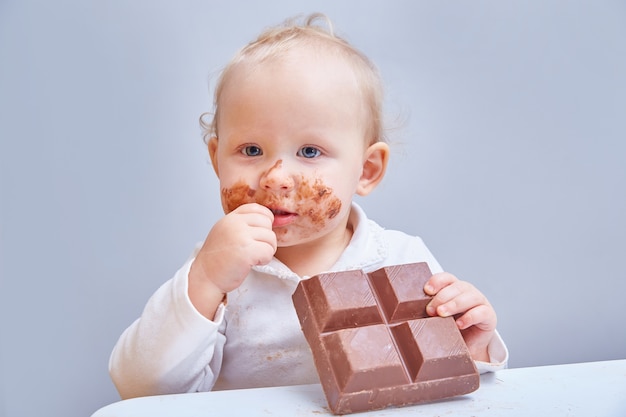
x,y
474,316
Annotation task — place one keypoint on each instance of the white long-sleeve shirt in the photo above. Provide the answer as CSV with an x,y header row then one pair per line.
x,y
255,340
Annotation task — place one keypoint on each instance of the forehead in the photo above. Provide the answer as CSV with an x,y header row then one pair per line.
x,y
304,78
301,64
300,94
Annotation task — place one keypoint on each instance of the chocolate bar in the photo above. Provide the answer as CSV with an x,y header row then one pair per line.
x,y
373,343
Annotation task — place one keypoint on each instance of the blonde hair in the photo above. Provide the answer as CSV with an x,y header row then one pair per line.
x,y
276,41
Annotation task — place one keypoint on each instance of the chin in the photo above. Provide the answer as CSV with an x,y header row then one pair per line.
x,y
284,239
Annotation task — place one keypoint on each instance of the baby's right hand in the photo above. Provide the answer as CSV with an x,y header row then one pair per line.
x,y
237,242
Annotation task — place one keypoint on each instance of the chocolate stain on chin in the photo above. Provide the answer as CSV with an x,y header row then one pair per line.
x,y
312,200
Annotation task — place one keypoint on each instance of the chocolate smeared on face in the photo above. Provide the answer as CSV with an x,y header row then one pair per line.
x,y
237,195
311,200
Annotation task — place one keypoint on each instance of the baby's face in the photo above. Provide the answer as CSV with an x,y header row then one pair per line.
x,y
292,138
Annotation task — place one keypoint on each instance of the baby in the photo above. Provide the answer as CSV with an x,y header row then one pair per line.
x,y
296,133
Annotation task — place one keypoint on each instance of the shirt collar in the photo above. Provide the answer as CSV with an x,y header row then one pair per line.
x,y
366,249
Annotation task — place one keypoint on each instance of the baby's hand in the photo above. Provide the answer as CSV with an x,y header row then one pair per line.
x,y
237,242
475,317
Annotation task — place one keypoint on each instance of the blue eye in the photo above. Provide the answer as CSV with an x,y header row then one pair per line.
x,y
252,150
309,152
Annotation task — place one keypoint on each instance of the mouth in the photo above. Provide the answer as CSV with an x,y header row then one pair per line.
x,y
278,212
282,217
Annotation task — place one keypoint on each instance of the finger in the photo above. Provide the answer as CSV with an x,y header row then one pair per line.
x,y
264,246
264,254
482,316
253,215
455,299
439,281
268,237
254,208
443,295
258,220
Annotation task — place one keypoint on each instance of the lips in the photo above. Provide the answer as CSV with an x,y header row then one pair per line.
x,y
282,217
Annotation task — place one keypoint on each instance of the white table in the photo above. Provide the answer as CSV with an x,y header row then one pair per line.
x,y
584,389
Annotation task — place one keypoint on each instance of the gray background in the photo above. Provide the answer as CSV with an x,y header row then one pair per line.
x,y
509,159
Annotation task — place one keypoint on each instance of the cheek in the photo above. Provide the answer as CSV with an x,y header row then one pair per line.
x,y
237,195
318,202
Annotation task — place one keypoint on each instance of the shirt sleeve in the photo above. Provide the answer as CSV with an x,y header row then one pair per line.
x,y
498,355
171,348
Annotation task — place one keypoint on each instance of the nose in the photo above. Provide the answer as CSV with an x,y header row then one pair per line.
x,y
277,178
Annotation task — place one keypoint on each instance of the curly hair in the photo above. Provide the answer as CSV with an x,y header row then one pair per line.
x,y
276,41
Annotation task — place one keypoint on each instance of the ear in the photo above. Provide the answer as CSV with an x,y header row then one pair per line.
x,y
374,167
212,145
